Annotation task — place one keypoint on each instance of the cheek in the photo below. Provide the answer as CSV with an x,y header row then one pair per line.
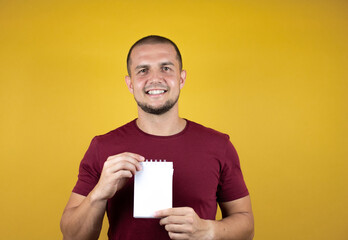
x,y
139,83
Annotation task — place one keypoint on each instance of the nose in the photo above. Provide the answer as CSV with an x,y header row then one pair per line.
x,y
156,77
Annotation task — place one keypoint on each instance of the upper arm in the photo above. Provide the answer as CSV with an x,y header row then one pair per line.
x,y
241,205
74,201
240,211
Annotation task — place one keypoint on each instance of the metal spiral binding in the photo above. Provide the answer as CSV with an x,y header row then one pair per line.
x,y
155,160
148,161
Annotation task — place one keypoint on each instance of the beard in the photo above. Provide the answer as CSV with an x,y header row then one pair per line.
x,y
169,104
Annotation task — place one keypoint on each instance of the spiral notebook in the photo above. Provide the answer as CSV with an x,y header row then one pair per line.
x,y
153,188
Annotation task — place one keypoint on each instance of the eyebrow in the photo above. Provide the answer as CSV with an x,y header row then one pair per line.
x,y
167,63
141,66
148,66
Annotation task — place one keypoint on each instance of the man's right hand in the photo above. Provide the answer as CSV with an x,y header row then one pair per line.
x,y
82,221
117,170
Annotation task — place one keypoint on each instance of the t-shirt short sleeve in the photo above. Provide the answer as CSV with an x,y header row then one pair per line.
x,y
89,170
231,184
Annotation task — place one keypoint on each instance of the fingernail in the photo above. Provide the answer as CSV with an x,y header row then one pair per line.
x,y
156,214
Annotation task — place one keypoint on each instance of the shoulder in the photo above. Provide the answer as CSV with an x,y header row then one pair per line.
x,y
117,134
207,132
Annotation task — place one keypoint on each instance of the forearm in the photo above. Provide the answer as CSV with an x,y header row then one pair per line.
x,y
238,226
84,221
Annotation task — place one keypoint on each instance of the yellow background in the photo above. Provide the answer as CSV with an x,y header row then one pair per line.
x,y
271,74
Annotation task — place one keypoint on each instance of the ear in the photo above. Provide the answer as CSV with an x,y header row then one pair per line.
x,y
129,84
182,78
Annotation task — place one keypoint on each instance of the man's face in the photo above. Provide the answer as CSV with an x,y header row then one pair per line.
x,y
156,78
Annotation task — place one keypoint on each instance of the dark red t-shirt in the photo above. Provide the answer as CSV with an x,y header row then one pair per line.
x,y
206,171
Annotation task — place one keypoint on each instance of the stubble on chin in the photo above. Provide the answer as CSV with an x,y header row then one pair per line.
x,y
169,104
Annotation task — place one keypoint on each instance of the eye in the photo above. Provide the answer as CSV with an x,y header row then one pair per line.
x,y
166,69
142,71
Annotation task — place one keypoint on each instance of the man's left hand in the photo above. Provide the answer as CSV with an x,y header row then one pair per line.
x,y
184,223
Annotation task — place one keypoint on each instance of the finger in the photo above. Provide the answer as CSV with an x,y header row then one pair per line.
x,y
177,236
179,228
174,211
136,156
122,158
173,220
118,166
123,174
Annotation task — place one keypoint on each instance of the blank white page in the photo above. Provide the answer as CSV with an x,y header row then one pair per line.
x,y
153,188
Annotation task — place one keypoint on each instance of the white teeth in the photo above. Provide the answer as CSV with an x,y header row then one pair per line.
x,y
153,92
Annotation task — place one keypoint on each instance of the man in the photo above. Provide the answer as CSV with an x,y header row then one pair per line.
x,y
206,166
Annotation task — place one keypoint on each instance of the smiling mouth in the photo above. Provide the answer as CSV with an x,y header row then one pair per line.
x,y
155,92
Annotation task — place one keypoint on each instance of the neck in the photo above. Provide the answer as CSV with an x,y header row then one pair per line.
x,y
166,124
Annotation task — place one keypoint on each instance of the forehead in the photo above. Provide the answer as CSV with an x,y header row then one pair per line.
x,y
153,53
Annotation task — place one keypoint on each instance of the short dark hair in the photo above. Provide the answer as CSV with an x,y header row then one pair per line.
x,y
153,39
